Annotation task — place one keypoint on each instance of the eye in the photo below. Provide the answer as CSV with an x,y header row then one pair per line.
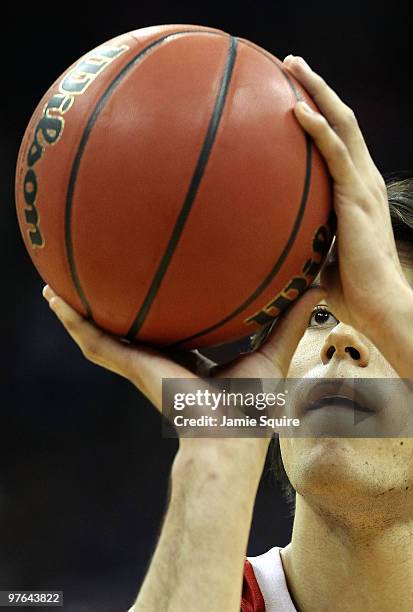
x,y
320,318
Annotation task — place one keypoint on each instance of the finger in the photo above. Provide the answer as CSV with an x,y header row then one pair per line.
x,y
289,329
96,345
143,366
338,114
329,144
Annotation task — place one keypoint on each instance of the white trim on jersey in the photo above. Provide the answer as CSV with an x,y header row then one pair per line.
x,y
269,573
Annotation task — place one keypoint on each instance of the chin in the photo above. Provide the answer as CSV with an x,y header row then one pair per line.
x,y
328,464
351,476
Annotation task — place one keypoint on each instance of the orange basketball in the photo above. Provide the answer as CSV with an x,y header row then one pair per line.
x,y
166,191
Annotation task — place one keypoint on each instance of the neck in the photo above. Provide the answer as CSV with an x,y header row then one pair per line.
x,y
349,565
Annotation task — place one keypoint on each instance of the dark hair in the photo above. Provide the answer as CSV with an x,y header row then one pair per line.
x,y
400,196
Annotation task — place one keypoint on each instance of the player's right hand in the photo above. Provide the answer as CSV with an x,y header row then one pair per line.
x,y
146,367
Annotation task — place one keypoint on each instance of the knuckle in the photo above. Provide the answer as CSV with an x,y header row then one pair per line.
x,y
323,124
367,200
90,349
320,83
349,117
381,185
70,325
378,187
88,352
339,150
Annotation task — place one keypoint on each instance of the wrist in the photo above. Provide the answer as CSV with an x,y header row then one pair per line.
x,y
241,459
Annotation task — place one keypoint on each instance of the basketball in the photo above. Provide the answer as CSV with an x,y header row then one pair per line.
x,y
166,191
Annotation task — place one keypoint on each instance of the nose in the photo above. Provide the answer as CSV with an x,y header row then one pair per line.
x,y
344,343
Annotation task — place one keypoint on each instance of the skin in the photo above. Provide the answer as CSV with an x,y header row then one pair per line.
x,y
353,528
352,535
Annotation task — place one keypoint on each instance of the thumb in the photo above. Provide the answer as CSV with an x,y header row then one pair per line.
x,y
290,328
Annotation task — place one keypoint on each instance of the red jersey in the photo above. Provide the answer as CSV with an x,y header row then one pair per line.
x,y
264,586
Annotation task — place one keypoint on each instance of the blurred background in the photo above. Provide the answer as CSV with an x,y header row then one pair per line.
x,y
84,469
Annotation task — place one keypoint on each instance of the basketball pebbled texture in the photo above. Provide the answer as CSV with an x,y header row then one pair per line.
x,y
166,191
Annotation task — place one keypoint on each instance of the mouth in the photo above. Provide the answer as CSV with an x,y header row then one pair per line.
x,y
342,394
337,401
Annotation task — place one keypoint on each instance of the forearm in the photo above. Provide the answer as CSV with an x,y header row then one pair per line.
x,y
394,338
198,562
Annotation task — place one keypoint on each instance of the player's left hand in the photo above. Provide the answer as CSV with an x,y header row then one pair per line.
x,y
368,281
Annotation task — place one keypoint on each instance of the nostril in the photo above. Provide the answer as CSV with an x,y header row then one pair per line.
x,y
330,352
353,352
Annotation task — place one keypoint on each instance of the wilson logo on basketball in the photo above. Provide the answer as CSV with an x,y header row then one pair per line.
x,y
298,284
49,129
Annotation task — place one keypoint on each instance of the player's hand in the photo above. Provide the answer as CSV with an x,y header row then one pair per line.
x,y
368,283
145,367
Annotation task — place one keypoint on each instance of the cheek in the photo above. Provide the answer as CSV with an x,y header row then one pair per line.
x,y
307,354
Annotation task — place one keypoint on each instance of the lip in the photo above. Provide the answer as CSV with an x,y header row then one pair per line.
x,y
340,393
339,401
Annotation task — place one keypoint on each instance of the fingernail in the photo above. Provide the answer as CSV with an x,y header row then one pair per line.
x,y
48,293
305,107
303,63
54,304
288,58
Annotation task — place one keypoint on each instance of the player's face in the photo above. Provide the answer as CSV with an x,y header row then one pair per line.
x,y
355,468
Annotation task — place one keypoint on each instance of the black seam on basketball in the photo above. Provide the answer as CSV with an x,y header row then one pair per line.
x,y
290,240
82,145
270,58
192,191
